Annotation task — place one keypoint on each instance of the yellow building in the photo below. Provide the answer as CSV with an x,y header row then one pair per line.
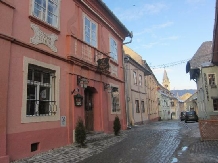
x,y
136,103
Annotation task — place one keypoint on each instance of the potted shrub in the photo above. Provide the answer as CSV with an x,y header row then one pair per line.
x,y
80,132
117,126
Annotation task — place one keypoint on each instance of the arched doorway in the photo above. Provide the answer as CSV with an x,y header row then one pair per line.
x,y
89,108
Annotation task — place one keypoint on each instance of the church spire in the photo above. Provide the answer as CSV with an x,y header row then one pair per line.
x,y
166,81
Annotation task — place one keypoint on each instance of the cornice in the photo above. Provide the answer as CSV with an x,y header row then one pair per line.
x,y
70,59
9,4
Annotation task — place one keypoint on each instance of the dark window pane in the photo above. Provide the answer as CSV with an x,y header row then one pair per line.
x,y
37,76
43,107
31,89
30,74
31,100
44,93
44,100
46,78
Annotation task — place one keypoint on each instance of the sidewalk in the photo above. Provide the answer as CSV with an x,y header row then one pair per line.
x,y
96,143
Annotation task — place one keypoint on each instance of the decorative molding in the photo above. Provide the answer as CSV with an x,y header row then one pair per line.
x,y
114,70
87,53
43,38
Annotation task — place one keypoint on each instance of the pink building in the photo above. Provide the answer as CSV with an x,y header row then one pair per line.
x,y
51,52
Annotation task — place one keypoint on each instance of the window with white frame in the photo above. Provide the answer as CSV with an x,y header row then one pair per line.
x,y
115,99
212,79
40,92
143,106
90,31
47,11
140,80
134,77
113,49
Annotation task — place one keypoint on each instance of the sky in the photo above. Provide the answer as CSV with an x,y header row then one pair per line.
x,y
167,32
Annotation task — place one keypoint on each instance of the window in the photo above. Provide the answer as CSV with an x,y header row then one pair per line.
x,y
172,103
40,92
211,78
137,106
113,49
140,80
134,77
115,99
143,106
90,31
215,104
47,11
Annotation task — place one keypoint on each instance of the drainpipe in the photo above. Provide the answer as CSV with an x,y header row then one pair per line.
x,y
125,63
131,36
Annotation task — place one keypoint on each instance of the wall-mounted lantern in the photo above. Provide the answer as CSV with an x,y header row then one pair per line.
x,y
78,100
106,86
83,82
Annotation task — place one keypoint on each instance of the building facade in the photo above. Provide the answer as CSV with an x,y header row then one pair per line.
x,y
61,60
204,73
135,88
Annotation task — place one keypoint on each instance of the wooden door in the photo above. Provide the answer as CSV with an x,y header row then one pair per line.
x,y
89,120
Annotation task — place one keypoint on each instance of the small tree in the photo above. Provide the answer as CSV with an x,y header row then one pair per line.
x,y
117,125
80,132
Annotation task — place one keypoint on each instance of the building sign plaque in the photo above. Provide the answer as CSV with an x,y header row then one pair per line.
x,y
43,38
63,121
103,64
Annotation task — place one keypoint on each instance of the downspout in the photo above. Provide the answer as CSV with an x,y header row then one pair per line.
x,y
126,81
131,36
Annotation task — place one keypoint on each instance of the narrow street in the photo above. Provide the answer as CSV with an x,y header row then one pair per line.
x,y
156,142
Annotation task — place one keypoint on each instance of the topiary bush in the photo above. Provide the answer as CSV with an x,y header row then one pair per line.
x,y
117,126
80,132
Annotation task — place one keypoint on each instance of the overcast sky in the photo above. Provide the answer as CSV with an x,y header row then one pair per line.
x,y
167,31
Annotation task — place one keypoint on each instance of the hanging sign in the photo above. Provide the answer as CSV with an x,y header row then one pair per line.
x,y
103,64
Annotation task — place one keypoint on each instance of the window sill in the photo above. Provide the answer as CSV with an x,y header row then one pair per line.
x,y
118,112
44,24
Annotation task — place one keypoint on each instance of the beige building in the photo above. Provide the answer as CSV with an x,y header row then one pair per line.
x,y
150,86
135,91
152,95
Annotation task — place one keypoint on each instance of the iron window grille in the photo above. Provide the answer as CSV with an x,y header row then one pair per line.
x,y
40,92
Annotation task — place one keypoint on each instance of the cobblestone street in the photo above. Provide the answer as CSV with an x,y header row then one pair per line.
x,y
157,142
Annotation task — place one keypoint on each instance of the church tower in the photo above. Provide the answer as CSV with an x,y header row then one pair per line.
x,y
166,82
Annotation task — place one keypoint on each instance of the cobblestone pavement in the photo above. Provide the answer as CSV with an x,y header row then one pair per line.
x,y
192,149
157,142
